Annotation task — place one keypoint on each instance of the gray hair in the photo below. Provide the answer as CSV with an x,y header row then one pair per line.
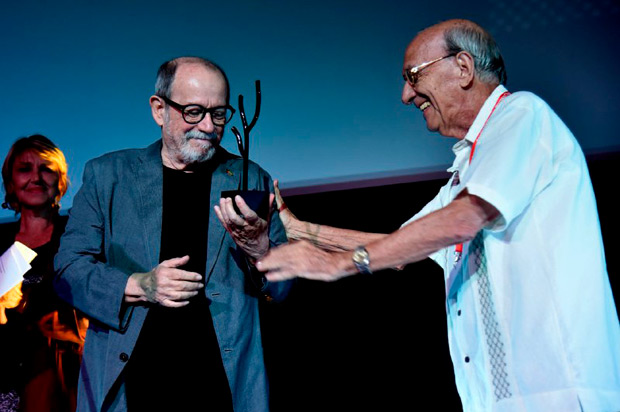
x,y
471,38
167,71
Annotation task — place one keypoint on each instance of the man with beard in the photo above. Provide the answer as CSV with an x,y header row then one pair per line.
x,y
531,317
172,298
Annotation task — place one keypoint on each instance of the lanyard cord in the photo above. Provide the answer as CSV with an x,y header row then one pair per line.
x,y
458,249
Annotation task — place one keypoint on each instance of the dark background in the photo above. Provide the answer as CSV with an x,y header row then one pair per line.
x,y
360,343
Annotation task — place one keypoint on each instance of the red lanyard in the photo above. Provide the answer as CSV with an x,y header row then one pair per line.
x,y
458,249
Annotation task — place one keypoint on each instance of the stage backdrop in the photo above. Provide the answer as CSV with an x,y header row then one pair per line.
x,y
82,73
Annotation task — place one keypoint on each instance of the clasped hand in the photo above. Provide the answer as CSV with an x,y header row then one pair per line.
x,y
248,230
166,284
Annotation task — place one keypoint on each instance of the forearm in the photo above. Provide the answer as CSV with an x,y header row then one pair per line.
x,y
411,244
331,238
456,223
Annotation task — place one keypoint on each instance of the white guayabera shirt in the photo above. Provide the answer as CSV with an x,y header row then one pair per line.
x,y
531,318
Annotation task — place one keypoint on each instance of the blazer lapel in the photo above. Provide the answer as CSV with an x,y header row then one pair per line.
x,y
149,187
225,177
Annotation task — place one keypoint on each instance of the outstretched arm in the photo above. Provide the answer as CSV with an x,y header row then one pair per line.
x,y
325,237
455,223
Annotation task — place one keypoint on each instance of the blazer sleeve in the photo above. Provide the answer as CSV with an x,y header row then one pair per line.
x,y
83,279
277,236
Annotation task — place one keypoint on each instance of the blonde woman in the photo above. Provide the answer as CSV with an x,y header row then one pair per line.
x,y
41,337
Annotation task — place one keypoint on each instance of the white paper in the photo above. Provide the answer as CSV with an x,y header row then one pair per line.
x,y
13,264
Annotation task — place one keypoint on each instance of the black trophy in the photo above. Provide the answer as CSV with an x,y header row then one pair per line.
x,y
257,200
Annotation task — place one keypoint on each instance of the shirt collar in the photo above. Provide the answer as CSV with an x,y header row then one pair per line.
x,y
483,114
460,145
478,123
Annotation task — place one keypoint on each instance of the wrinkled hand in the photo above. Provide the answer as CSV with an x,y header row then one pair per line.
x,y
248,231
302,259
289,220
166,284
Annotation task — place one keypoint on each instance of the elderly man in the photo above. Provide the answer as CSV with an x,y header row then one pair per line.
x,y
531,318
173,300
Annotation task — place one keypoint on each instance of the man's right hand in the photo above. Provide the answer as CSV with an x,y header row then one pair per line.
x,y
165,285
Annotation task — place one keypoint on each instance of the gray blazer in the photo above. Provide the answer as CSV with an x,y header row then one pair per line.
x,y
114,230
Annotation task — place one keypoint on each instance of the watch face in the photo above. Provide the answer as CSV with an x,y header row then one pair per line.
x,y
361,260
358,256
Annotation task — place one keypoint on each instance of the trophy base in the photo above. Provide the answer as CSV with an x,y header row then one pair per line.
x,y
257,200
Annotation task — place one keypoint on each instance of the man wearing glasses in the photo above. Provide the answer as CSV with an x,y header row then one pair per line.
x,y
174,301
531,317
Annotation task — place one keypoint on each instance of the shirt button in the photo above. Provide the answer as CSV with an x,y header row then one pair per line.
x,y
466,359
459,312
123,357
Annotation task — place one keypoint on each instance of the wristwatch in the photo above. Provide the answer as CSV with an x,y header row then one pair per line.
x,y
361,260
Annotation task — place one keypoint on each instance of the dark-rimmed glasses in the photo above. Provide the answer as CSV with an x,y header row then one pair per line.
x,y
412,75
194,113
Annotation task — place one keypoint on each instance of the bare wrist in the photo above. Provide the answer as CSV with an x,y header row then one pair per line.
x,y
134,292
293,229
345,263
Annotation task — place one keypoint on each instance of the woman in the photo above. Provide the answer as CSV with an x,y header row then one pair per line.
x,y
41,337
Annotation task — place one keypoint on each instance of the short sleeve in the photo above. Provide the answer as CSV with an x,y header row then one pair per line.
x,y
512,161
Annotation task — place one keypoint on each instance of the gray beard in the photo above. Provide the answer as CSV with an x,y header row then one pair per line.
x,y
190,155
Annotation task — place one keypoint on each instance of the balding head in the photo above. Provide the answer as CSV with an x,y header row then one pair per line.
x,y
451,69
464,35
167,72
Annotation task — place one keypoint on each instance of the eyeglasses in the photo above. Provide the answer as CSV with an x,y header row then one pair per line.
x,y
412,75
194,113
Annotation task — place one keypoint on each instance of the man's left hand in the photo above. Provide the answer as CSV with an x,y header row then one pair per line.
x,y
248,231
